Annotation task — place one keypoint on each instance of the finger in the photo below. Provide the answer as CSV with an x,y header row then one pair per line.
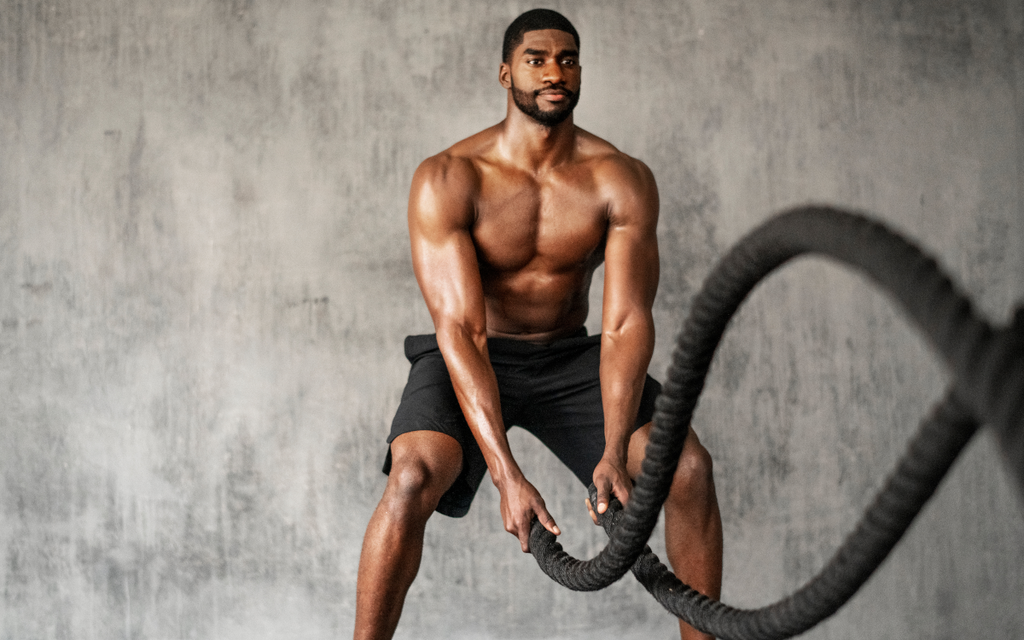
x,y
524,539
590,509
546,520
603,491
622,491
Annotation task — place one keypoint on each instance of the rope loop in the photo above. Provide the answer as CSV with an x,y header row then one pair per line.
x,y
988,388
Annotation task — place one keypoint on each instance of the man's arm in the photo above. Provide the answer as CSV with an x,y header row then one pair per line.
x,y
627,323
444,260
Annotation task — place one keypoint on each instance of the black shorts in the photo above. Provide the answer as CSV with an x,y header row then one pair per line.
x,y
551,390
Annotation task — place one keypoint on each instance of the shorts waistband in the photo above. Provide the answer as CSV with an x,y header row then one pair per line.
x,y
418,345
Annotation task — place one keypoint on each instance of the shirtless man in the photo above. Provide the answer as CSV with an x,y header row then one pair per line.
x,y
507,228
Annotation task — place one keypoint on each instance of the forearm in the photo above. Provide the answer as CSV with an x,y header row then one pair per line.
x,y
476,387
626,350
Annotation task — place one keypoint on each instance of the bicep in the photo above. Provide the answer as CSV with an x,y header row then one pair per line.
x,y
443,252
631,252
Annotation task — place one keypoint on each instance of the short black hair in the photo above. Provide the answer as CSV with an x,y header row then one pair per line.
x,y
534,20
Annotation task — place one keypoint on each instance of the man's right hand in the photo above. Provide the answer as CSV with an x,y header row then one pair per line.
x,y
611,481
520,503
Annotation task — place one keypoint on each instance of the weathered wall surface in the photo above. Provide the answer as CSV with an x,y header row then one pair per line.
x,y
204,283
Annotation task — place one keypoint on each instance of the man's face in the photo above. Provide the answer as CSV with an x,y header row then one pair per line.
x,y
544,76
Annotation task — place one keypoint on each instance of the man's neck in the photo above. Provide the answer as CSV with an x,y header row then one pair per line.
x,y
533,146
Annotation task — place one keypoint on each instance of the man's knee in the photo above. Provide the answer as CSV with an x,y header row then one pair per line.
x,y
422,469
694,477
413,480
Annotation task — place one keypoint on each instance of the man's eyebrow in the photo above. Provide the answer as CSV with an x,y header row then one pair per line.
x,y
561,54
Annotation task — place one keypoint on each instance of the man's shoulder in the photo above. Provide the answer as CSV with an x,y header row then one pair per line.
x,y
459,163
478,145
446,168
617,174
607,161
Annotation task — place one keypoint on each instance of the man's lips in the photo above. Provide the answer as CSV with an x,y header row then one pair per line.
x,y
555,95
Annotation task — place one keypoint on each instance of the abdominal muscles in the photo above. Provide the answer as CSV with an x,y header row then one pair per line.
x,y
537,304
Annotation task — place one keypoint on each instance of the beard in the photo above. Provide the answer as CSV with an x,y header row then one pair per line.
x,y
527,103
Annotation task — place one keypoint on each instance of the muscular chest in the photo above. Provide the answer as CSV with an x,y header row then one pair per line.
x,y
554,224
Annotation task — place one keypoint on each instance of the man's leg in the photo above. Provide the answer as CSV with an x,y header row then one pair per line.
x,y
693,525
424,464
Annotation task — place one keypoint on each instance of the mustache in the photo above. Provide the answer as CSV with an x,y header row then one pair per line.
x,y
554,89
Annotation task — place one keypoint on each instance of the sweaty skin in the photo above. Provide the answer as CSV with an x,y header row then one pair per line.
x,y
507,228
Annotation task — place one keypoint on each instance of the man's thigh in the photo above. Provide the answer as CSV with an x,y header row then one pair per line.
x,y
638,448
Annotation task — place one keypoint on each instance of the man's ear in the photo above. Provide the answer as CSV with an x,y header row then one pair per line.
x,y
505,75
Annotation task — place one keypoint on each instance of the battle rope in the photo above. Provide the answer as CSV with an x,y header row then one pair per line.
x,y
988,387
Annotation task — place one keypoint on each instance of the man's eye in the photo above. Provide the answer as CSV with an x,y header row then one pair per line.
x,y
569,62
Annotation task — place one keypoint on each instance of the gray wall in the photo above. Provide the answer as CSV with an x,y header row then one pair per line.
x,y
204,284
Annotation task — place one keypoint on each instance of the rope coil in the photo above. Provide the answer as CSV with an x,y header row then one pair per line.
x,y
988,388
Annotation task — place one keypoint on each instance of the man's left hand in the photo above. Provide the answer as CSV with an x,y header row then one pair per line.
x,y
610,478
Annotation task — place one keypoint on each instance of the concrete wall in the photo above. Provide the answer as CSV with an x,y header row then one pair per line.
x,y
204,283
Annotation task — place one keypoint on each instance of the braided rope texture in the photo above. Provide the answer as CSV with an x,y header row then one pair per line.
x,y
988,388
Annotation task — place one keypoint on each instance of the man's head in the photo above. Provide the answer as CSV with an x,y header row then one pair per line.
x,y
540,66
534,20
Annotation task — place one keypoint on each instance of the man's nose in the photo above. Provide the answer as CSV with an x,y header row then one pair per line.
x,y
553,72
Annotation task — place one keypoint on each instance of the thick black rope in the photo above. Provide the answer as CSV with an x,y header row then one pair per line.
x,y
931,453
988,370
